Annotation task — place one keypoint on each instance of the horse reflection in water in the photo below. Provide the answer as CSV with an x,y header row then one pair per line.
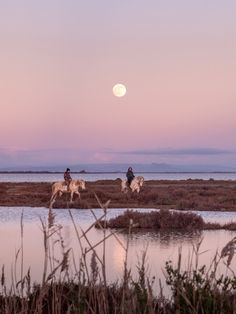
x,y
58,188
135,185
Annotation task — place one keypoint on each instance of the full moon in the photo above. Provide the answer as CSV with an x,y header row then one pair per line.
x,y
119,90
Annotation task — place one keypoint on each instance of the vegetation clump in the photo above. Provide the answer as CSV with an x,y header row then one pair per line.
x,y
163,219
200,290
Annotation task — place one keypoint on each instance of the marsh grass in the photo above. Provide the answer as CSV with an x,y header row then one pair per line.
x,y
200,289
175,194
72,284
164,220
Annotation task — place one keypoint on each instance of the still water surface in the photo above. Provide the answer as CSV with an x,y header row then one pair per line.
x,y
51,177
161,246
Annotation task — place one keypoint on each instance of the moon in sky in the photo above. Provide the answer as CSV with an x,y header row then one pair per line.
x,y
119,90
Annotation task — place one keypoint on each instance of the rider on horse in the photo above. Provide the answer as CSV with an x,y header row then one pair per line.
x,y
67,178
130,176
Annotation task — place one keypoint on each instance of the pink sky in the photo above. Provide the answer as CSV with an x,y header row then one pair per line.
x,y
60,60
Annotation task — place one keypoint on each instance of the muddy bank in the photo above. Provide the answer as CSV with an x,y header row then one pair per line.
x,y
181,194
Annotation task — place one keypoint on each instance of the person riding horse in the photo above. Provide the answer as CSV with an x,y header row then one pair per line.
x,y
67,178
130,176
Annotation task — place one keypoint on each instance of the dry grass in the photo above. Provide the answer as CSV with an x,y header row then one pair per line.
x,y
199,289
163,219
182,194
76,286
80,286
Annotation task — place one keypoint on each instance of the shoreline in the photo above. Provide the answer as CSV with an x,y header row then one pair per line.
x,y
190,194
110,172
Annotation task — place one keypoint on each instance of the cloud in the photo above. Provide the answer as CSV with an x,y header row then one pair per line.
x,y
15,157
28,157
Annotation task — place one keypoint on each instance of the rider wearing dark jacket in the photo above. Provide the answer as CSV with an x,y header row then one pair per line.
x,y
67,177
130,175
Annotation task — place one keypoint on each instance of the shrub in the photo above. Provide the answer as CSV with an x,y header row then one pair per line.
x,y
163,219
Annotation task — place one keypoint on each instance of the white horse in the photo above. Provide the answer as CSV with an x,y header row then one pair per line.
x,y
58,188
135,185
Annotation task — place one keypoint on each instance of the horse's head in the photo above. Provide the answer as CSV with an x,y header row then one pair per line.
x,y
82,185
140,181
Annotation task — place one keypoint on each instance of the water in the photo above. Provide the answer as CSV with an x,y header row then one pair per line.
x,y
161,246
51,177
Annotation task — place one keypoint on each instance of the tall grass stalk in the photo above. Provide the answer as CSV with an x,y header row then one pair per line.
x,y
73,284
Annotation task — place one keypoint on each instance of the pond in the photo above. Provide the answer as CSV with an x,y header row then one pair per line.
x,y
160,246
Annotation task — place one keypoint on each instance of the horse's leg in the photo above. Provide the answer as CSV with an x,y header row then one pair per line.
x,y
71,196
78,193
55,194
135,188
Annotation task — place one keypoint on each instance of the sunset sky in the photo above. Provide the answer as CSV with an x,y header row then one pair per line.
x,y
59,61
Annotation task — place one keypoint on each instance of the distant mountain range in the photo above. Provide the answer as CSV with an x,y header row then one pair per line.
x,y
116,167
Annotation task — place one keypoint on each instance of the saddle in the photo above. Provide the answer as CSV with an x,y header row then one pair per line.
x,y
67,184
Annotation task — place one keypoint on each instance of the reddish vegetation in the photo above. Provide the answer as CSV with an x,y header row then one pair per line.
x,y
183,194
163,219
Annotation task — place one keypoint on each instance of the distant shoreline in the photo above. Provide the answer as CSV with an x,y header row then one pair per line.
x,y
110,172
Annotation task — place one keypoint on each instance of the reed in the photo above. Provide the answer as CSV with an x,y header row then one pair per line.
x,y
200,289
72,285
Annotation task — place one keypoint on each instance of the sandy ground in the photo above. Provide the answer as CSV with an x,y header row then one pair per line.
x,y
183,194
